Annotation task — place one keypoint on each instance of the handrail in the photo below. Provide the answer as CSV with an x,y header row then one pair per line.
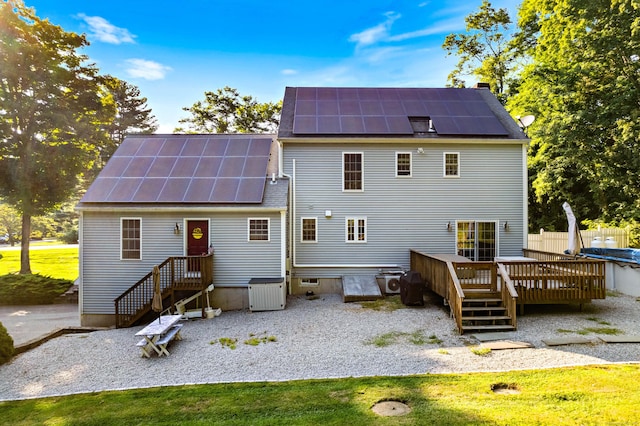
x,y
509,294
507,281
176,273
456,295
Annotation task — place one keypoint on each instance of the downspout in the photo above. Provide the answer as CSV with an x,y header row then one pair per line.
x,y
80,267
525,201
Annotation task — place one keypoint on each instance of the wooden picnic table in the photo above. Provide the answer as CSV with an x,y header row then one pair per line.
x,y
157,335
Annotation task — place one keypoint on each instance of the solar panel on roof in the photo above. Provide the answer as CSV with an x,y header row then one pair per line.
x,y
206,169
386,111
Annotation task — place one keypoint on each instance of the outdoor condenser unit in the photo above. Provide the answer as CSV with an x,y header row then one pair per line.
x,y
267,294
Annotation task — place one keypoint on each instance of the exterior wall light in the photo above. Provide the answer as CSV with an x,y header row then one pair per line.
x,y
176,230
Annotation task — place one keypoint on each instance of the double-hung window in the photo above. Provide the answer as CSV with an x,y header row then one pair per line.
x,y
352,171
451,164
258,229
130,238
309,230
356,229
403,164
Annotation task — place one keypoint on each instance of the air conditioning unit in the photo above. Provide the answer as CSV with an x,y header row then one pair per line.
x,y
392,284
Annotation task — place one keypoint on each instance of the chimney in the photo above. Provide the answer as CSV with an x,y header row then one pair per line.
x,y
481,85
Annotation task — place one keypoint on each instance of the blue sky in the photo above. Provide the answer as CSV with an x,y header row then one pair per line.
x,y
175,51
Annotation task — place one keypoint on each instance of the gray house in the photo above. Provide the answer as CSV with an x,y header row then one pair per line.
x,y
376,172
356,178
170,199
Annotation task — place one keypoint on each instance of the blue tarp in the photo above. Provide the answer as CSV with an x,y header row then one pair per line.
x,y
616,254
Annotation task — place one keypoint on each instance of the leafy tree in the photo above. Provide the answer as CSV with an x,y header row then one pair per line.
x,y
583,85
9,222
226,111
485,50
132,113
52,110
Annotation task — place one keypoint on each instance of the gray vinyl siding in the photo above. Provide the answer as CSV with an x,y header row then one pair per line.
x,y
402,212
105,276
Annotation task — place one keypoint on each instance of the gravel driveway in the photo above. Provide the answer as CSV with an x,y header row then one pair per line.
x,y
320,338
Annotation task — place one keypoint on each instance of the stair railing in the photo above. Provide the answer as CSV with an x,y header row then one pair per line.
x,y
508,294
455,295
176,273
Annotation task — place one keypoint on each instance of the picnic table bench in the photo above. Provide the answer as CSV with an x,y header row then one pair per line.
x,y
157,335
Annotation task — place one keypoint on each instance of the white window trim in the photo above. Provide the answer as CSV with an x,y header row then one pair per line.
x,y
356,219
361,171
444,165
122,219
410,164
302,219
249,229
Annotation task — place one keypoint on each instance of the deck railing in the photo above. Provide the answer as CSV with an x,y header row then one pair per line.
x,y
558,281
176,273
554,278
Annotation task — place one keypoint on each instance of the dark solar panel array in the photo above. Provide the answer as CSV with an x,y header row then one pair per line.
x,y
386,111
184,169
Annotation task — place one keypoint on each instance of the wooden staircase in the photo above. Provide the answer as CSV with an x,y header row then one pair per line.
x,y
176,274
484,311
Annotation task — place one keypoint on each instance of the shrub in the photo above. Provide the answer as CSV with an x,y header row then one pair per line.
x,y
6,345
31,289
70,237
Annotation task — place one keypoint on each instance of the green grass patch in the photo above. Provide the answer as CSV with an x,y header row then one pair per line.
x,y
52,262
599,321
601,330
253,340
387,304
477,350
417,338
226,342
567,396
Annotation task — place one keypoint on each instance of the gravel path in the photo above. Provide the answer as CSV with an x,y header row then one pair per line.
x,y
321,338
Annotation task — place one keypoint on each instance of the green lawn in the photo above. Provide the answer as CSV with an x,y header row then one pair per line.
x,y
53,262
567,396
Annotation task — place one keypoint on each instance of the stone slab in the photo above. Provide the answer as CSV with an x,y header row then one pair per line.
x,y
620,339
487,337
506,344
569,340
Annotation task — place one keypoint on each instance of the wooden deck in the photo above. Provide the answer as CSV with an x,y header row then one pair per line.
x,y
358,288
540,278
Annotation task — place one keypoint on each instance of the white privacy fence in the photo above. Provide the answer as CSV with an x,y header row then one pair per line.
x,y
557,242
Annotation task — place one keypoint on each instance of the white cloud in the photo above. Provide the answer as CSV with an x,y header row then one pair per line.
x,y
148,70
444,27
289,71
375,34
104,31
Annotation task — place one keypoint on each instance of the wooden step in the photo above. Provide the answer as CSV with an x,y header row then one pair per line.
x,y
483,308
481,294
487,318
484,301
466,328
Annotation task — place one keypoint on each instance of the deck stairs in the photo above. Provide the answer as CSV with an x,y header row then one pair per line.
x,y
179,276
484,311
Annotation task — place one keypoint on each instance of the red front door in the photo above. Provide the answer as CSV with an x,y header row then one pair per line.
x,y
197,237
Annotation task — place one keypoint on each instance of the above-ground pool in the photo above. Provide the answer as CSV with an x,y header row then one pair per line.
x,y
623,268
